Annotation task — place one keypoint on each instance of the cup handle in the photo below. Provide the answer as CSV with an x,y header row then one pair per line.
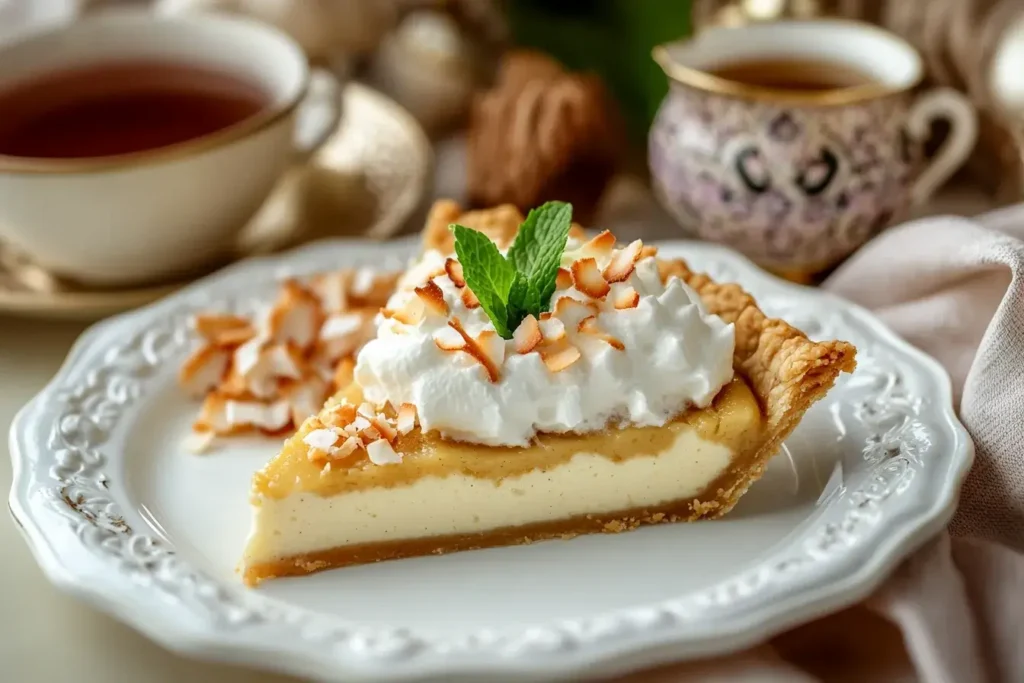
x,y
941,103
318,114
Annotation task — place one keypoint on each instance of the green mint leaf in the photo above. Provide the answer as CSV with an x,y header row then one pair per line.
x,y
523,299
537,251
516,308
487,274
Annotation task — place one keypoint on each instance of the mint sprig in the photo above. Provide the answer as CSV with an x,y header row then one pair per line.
x,y
520,284
487,273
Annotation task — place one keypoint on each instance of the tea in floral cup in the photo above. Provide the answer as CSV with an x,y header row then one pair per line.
x,y
797,141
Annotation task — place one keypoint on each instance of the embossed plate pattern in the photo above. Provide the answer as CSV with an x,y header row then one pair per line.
x,y
118,513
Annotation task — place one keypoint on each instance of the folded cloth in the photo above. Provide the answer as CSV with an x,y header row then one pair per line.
x,y
954,287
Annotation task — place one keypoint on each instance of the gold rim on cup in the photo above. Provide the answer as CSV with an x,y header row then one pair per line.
x,y
707,82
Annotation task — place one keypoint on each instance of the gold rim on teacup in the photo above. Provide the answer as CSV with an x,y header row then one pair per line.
x,y
703,80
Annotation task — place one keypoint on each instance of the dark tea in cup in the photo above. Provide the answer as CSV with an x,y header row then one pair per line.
x,y
121,108
793,74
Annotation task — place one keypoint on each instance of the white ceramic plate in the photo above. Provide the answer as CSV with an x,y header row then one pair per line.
x,y
118,513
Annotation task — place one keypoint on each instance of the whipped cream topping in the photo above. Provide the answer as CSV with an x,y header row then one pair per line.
x,y
639,354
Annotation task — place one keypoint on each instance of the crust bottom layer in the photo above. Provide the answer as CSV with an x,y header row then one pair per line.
x,y
717,499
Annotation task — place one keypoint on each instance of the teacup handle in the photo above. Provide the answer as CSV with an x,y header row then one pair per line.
x,y
318,114
941,103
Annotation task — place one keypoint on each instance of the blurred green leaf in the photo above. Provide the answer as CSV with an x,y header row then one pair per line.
x,y
611,37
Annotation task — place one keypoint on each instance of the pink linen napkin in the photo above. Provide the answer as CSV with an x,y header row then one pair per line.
x,y
954,611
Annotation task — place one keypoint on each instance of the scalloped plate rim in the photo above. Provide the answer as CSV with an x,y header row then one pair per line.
x,y
666,645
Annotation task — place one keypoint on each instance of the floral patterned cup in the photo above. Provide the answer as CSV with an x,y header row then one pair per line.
x,y
799,179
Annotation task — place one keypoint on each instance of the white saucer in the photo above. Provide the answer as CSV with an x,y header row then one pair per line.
x,y
368,180
117,512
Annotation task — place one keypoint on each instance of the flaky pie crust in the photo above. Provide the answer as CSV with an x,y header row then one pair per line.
x,y
786,371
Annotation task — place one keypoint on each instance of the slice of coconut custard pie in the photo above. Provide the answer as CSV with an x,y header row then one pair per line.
x,y
528,383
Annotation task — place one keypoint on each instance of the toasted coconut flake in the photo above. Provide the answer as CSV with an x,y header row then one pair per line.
x,y
370,434
203,370
623,262
271,417
371,289
454,270
295,317
342,334
323,368
364,281
273,364
527,336
360,423
601,244
627,298
232,338
420,273
380,452
332,290
564,279
553,330
571,310
322,439
412,312
305,397
406,421
342,325
341,415
560,357
648,251
448,339
474,349
469,299
433,298
587,278
348,447
284,361
344,373
236,386
493,346
247,355
366,410
223,330
589,326
212,416
384,427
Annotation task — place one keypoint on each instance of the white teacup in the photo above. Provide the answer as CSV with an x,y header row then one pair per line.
x,y
155,213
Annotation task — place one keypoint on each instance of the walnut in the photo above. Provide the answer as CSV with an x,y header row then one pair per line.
x,y
542,133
